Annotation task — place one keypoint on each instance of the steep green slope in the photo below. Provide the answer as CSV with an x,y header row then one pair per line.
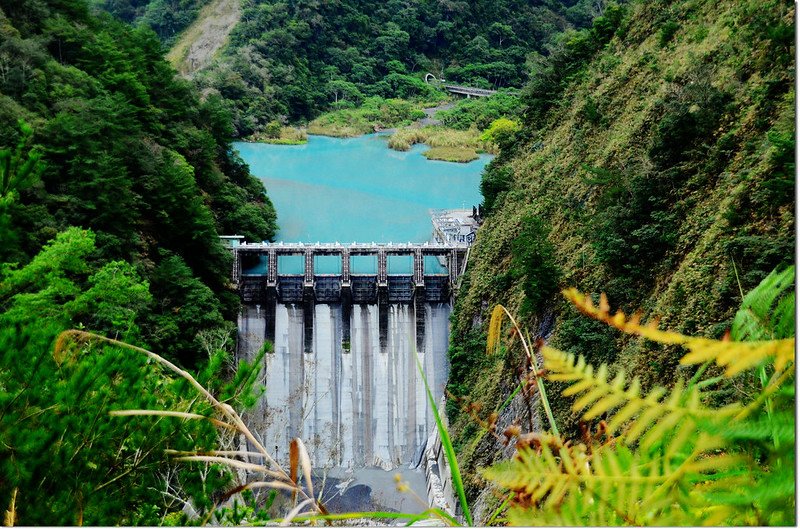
x,y
658,168
168,18
131,153
291,60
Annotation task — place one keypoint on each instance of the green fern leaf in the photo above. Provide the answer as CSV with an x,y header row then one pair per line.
x,y
597,396
677,462
612,485
767,311
779,428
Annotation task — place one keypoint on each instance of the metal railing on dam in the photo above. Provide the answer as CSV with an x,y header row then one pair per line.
x,y
268,286
356,287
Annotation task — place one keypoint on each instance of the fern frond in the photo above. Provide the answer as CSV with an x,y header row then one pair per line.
x,y
678,461
751,497
576,511
778,428
536,475
739,356
657,411
734,356
565,485
767,311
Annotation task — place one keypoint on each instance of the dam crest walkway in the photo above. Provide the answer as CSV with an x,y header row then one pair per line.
x,y
254,280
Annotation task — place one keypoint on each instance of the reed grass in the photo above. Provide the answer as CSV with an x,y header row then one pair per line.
x,y
451,154
307,508
228,418
10,518
339,130
403,139
493,340
288,136
446,144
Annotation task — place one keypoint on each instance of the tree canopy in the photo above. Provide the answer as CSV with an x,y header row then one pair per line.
x,y
289,61
124,148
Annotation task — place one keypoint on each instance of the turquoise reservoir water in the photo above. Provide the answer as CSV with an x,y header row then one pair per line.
x,y
357,189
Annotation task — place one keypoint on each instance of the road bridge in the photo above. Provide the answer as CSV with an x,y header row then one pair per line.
x,y
469,91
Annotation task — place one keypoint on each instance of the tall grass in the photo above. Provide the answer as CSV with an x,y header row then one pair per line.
x,y
276,476
451,154
495,326
446,144
447,445
287,136
307,507
403,139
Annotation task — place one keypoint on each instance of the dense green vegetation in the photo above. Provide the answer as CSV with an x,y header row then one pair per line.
x,y
668,456
480,112
654,152
290,61
277,134
131,153
373,114
69,462
115,181
166,17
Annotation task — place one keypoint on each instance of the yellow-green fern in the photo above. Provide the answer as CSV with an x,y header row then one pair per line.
x,y
666,456
651,414
735,356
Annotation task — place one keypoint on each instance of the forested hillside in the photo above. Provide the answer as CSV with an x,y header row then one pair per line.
x,y
655,164
166,17
291,60
131,153
116,180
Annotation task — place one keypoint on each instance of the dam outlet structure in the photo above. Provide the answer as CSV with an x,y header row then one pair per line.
x,y
348,327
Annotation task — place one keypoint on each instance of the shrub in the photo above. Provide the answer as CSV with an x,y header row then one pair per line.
x,y
633,227
272,130
590,111
533,261
502,132
667,32
496,179
690,116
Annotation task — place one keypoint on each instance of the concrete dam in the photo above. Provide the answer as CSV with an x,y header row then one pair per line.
x,y
343,374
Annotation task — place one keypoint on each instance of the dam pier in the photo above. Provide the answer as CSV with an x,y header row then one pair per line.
x,y
257,276
349,325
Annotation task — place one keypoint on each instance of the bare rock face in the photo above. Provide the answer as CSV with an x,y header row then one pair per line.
x,y
202,40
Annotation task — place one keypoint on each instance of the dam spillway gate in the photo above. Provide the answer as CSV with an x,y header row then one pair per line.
x,y
259,281
343,371
328,287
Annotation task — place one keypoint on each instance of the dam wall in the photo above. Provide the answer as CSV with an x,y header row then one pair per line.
x,y
344,378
